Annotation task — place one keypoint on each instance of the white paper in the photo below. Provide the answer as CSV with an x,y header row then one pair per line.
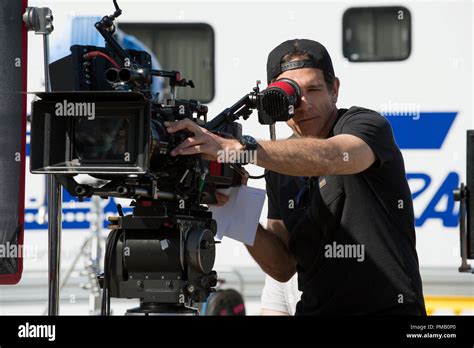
x,y
238,218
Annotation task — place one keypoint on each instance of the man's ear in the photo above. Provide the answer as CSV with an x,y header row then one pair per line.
x,y
335,90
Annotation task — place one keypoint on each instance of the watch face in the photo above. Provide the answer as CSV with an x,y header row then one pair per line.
x,y
249,140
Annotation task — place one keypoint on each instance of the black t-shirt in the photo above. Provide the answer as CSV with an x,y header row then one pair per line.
x,y
354,240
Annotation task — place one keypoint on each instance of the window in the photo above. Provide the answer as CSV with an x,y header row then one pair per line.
x,y
371,34
187,48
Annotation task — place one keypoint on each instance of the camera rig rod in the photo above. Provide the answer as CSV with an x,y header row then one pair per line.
x,y
106,28
133,72
243,108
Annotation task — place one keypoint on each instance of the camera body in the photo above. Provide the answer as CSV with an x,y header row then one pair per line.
x,y
101,120
114,129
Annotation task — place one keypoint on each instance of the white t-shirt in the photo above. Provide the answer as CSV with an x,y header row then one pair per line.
x,y
281,297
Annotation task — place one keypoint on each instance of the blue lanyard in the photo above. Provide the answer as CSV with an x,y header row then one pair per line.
x,y
306,189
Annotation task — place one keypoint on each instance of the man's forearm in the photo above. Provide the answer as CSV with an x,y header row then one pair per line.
x,y
298,157
272,255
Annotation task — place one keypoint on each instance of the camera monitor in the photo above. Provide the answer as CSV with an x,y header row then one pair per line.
x,y
90,132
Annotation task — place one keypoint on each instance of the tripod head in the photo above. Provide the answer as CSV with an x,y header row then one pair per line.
x,y
162,254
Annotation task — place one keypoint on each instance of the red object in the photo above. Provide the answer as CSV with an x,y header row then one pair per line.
x,y
238,309
284,86
94,54
215,168
10,279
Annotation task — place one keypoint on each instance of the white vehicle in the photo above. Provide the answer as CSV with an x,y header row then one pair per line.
x,y
410,60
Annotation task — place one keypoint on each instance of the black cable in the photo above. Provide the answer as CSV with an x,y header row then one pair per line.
x,y
110,245
107,271
111,254
241,172
258,176
103,307
105,293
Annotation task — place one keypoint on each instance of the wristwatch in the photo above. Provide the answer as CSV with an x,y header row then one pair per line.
x,y
249,153
249,142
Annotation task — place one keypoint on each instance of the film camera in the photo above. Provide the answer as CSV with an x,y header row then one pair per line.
x,y
102,120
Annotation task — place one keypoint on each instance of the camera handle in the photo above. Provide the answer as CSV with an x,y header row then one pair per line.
x,y
40,20
243,108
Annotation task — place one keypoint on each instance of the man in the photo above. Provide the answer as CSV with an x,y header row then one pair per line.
x,y
340,212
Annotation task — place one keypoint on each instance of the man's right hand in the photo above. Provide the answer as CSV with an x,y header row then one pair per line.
x,y
222,198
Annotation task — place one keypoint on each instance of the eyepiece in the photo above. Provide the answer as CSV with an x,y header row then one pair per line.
x,y
280,99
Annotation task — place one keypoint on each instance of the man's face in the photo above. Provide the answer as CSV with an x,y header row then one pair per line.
x,y
317,111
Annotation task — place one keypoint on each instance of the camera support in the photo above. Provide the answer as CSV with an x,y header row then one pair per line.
x,y
40,20
461,195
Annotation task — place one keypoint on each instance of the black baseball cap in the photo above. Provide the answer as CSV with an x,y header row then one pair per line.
x,y
321,58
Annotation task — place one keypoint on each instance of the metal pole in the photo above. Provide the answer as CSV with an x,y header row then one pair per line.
x,y
272,132
96,252
40,20
54,243
47,81
54,214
